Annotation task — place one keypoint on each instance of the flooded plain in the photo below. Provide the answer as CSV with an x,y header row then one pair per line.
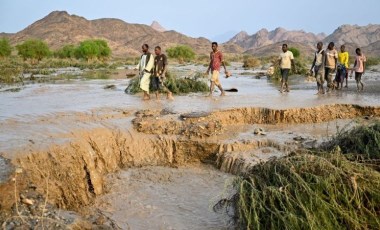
x,y
152,169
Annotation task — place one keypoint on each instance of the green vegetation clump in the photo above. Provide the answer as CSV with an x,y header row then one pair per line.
x,y
182,53
363,141
10,71
34,50
175,85
93,49
68,51
5,48
295,51
307,191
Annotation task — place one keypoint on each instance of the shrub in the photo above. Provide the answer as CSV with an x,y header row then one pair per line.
x,y
104,50
203,59
251,62
295,51
68,51
34,50
5,48
181,53
10,71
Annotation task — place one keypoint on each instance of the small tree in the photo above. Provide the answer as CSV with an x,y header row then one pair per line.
x,y
181,53
33,49
88,50
104,50
93,49
5,48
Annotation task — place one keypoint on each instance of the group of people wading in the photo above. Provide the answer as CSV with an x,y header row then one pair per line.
x,y
328,65
152,71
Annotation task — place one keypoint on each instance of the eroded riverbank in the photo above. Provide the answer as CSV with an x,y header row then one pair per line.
x,y
72,171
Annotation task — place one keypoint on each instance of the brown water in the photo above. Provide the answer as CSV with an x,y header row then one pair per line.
x,y
84,95
165,198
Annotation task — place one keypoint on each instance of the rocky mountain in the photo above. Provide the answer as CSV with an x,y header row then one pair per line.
x,y
353,36
361,36
264,38
6,35
275,49
155,25
372,49
60,28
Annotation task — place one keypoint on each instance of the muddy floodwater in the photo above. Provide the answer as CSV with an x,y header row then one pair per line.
x,y
166,198
83,95
153,164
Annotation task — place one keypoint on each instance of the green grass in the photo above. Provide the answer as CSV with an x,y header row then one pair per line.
x,y
363,141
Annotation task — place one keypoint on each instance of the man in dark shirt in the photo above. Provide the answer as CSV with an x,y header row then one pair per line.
x,y
159,71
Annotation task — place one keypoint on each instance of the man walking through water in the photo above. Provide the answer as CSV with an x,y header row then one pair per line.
x,y
216,59
145,68
359,68
286,60
318,67
331,61
160,67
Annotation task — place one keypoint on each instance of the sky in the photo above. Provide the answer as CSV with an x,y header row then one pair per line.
x,y
215,20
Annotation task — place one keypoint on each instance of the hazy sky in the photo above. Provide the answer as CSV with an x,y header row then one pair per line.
x,y
202,18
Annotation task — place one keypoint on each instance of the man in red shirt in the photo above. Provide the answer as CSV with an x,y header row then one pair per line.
x,y
216,60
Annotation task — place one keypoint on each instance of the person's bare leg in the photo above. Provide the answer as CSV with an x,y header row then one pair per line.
x,y
157,95
286,87
318,88
322,89
282,86
221,90
212,85
170,96
146,96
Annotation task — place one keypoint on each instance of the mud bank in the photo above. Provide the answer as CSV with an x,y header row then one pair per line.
x,y
209,124
72,175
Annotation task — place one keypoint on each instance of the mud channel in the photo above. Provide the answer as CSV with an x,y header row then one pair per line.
x,y
72,162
